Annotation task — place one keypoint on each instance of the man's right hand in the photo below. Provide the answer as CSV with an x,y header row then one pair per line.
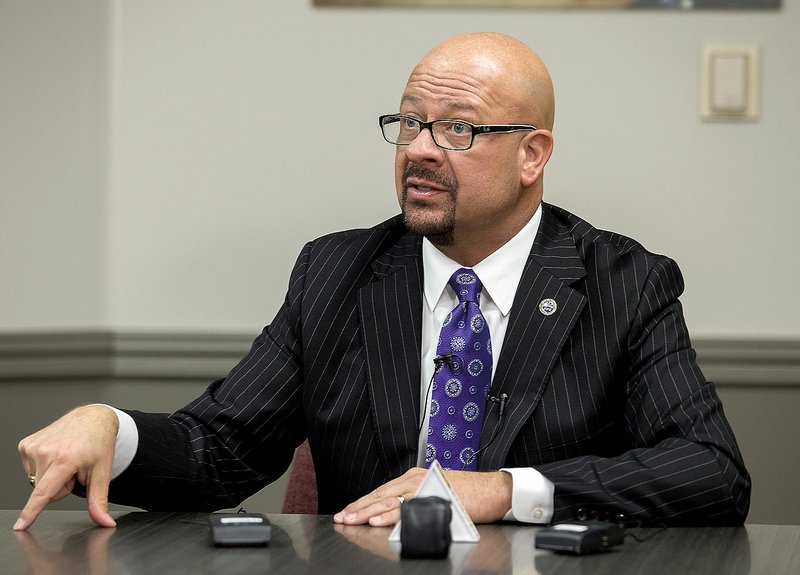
x,y
77,447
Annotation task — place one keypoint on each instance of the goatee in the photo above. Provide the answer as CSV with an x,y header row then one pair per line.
x,y
436,224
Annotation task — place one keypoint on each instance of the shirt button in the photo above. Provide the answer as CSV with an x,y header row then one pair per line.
x,y
538,513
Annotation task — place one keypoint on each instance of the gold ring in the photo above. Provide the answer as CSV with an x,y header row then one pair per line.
x,y
32,480
401,499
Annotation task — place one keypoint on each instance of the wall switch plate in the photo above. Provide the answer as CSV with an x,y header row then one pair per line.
x,y
731,82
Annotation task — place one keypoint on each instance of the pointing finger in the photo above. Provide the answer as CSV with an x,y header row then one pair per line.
x,y
50,487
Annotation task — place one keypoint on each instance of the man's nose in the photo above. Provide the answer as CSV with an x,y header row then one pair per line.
x,y
424,148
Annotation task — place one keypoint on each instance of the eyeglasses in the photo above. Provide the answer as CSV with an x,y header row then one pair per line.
x,y
448,134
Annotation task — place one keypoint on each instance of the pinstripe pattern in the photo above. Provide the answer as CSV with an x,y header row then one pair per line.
x,y
605,397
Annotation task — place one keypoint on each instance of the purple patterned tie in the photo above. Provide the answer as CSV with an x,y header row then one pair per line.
x,y
461,380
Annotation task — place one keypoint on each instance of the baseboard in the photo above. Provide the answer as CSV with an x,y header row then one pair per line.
x,y
207,356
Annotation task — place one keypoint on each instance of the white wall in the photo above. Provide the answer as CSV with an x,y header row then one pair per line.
x,y
53,163
237,130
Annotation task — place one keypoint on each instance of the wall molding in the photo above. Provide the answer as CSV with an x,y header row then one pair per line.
x,y
764,362
210,355
120,355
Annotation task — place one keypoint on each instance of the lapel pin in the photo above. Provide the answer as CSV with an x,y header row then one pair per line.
x,y
548,306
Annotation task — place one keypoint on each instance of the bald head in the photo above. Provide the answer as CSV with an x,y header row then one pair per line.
x,y
502,70
470,201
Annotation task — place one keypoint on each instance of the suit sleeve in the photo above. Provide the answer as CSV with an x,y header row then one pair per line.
x,y
682,465
238,436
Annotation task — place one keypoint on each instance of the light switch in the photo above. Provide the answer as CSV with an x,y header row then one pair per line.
x,y
730,82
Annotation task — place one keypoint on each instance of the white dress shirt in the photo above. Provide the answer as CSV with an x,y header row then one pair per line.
x,y
532,495
500,272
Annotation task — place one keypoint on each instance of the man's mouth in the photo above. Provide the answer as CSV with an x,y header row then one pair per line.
x,y
421,186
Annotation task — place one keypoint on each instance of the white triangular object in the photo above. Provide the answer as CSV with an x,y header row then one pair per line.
x,y
462,529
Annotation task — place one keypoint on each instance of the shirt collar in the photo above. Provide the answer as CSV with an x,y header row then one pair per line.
x,y
500,272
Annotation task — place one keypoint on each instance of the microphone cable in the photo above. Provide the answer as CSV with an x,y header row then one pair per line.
x,y
502,399
455,363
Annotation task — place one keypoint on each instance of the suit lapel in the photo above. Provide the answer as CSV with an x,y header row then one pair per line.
x,y
534,340
391,316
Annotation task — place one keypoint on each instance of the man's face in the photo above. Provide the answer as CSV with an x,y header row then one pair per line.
x,y
448,195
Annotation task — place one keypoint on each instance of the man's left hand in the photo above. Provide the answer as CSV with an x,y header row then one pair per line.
x,y
485,495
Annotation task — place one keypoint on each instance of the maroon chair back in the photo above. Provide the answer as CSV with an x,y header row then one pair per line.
x,y
301,491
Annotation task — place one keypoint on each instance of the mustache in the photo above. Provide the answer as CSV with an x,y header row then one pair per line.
x,y
414,171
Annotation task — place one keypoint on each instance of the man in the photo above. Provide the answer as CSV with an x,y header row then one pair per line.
x,y
595,403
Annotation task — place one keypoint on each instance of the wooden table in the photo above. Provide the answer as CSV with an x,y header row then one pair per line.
x,y
67,542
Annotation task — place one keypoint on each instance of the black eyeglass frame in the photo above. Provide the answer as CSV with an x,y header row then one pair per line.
x,y
476,129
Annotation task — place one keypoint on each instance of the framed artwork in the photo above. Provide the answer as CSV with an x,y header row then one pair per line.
x,y
683,5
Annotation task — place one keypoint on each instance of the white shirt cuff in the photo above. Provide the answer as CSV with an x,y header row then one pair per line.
x,y
127,442
531,496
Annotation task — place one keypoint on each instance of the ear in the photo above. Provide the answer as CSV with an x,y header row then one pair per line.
x,y
535,151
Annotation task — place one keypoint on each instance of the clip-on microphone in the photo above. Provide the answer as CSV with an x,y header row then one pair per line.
x,y
452,360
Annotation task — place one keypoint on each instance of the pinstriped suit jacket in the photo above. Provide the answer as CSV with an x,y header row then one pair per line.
x,y
605,396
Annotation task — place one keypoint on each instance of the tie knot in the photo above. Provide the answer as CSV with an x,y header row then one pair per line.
x,y
466,284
